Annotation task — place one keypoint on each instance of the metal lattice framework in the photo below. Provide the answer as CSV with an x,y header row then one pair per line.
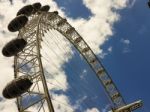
x,y
33,32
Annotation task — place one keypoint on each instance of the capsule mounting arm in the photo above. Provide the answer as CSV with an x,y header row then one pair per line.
x,y
129,108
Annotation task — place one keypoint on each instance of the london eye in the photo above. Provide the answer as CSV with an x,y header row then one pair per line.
x,y
30,87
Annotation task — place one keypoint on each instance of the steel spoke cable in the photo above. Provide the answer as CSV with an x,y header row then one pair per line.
x,y
78,88
58,35
75,88
77,73
73,93
71,69
53,64
57,82
104,92
58,41
53,84
62,103
63,48
42,107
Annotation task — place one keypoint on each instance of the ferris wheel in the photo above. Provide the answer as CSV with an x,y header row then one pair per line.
x,y
29,86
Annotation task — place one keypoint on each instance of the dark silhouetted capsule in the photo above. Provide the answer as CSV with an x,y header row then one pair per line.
x,y
26,10
36,6
148,4
17,23
13,47
45,8
56,12
17,87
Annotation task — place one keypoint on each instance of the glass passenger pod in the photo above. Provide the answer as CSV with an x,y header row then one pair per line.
x,y
17,87
17,23
77,40
14,47
45,8
36,7
61,22
26,10
55,12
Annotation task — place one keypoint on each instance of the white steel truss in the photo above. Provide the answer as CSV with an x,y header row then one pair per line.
x,y
30,57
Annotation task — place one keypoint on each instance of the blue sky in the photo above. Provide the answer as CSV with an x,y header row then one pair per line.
x,y
133,65
128,62
123,51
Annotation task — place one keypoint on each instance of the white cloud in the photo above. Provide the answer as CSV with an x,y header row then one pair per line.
x,y
103,54
79,102
6,106
6,63
110,49
92,110
83,74
96,30
125,41
100,24
126,48
62,103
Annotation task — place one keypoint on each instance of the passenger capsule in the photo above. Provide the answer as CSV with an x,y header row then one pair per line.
x,y
17,23
13,47
26,10
56,12
17,87
36,6
45,8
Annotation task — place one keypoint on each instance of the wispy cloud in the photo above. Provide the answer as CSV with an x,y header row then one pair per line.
x,y
83,74
80,102
126,45
110,49
92,110
107,108
125,41
131,3
103,54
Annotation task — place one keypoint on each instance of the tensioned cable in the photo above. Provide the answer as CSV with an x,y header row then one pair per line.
x,y
57,44
72,78
73,87
63,48
42,106
57,100
72,69
75,65
63,105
